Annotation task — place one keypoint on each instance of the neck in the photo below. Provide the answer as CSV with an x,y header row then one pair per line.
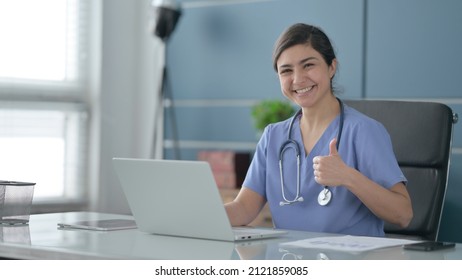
x,y
321,114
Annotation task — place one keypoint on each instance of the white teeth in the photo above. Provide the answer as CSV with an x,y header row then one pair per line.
x,y
303,90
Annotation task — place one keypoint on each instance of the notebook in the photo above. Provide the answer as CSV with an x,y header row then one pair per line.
x,y
179,198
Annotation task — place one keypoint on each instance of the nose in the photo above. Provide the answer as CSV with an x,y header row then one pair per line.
x,y
298,77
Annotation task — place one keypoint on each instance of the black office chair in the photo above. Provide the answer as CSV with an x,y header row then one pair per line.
x,y
421,134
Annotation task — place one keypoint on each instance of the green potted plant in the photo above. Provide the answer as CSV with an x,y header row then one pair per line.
x,y
271,111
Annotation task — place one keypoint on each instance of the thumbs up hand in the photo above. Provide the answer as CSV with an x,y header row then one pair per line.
x,y
329,170
333,147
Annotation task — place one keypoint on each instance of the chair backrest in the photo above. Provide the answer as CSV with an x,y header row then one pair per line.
x,y
421,134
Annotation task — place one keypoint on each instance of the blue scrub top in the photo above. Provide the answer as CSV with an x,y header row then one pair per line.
x,y
365,145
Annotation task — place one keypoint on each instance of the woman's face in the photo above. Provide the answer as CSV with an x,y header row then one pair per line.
x,y
304,75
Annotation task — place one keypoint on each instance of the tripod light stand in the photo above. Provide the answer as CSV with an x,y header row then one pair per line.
x,y
167,14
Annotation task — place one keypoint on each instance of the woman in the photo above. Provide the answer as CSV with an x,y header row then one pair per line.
x,y
348,180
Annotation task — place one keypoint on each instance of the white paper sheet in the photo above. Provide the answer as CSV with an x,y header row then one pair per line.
x,y
349,243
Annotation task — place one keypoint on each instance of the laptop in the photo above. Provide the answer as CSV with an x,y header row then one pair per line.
x,y
179,198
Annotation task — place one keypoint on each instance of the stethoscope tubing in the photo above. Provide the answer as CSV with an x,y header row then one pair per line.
x,y
290,143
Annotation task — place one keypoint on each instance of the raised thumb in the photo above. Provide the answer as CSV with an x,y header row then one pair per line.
x,y
333,147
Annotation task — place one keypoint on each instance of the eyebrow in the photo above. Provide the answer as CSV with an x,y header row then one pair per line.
x,y
299,63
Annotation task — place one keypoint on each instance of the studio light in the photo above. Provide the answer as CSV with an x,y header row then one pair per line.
x,y
166,16
167,13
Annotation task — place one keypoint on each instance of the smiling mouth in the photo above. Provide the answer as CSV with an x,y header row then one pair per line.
x,y
304,90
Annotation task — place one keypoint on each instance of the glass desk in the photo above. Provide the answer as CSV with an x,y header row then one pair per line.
x,y
42,239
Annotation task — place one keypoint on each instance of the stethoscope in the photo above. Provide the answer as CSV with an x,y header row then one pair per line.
x,y
325,196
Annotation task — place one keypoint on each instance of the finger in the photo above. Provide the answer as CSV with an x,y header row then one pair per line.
x,y
316,160
317,180
333,147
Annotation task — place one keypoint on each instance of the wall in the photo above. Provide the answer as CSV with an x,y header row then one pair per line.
x,y
219,62
131,59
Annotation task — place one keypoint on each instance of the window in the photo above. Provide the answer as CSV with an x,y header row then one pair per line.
x,y
43,93
39,40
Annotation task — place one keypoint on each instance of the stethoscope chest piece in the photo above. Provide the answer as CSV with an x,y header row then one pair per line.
x,y
324,197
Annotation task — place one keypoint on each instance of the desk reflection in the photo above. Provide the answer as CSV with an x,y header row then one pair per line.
x,y
270,249
18,234
153,246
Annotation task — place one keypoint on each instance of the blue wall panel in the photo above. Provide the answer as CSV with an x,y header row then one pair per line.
x,y
224,51
213,124
413,48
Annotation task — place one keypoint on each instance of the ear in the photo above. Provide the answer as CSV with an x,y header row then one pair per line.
x,y
333,68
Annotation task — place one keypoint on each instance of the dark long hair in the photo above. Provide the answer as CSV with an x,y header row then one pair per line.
x,y
304,34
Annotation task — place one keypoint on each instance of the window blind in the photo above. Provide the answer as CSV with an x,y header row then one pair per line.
x,y
43,48
43,87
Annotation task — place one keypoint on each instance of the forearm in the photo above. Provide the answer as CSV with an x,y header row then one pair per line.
x,y
392,205
244,208
236,215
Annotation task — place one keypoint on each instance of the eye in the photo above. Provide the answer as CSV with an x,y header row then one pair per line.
x,y
308,65
285,71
